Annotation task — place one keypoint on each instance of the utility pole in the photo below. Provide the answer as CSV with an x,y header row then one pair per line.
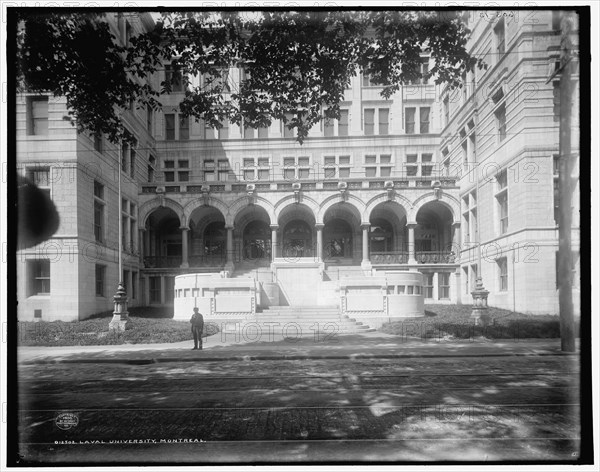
x,y
565,258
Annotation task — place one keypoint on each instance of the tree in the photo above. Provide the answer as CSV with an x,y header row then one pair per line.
x,y
297,63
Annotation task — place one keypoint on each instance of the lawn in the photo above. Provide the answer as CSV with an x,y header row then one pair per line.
x,y
145,326
454,321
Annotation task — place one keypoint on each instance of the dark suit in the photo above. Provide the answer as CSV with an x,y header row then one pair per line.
x,y
197,328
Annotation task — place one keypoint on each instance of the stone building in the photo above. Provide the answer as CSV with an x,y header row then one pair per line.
x,y
392,185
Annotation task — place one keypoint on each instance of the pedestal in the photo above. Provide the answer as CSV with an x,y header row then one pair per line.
x,y
479,313
120,314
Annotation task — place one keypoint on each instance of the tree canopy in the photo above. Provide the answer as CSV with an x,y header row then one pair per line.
x,y
297,64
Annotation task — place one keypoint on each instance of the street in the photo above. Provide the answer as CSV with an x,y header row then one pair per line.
x,y
376,410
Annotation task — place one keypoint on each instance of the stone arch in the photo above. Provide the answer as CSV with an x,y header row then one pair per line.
x,y
147,208
242,202
445,199
212,202
401,200
332,200
291,200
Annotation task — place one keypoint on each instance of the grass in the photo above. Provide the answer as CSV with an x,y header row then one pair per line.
x,y
454,321
145,326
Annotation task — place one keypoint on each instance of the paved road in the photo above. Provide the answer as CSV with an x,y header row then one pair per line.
x,y
398,409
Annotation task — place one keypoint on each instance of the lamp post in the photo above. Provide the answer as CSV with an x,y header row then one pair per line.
x,y
480,294
120,313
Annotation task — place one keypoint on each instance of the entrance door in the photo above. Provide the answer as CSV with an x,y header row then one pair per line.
x,y
297,240
257,241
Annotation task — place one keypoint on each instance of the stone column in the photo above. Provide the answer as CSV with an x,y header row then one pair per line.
x,y
229,249
366,263
456,241
411,243
274,229
141,244
184,247
319,227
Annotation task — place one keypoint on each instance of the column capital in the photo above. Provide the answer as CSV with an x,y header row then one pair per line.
x,y
456,224
229,227
319,226
184,228
411,225
365,225
274,227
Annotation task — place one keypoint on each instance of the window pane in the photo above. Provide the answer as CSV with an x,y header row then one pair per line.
x,y
303,173
224,131
343,123
385,171
263,132
289,161
169,176
248,132
248,162
410,120
303,161
170,126
329,172
184,127
344,172
411,158
371,171
385,159
384,116
344,159
263,161
424,111
209,176
184,176
328,127
329,160
249,175
263,174
183,164
370,159
289,173
369,121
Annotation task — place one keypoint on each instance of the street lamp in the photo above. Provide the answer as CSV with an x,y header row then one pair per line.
x,y
120,313
480,294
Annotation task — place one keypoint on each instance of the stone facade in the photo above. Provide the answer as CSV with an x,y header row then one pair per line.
x,y
394,185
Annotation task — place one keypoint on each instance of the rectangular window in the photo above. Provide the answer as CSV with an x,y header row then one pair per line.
x,y
369,124
169,176
184,127
287,133
502,274
428,286
183,176
154,289
134,282
98,143
173,77
501,121
100,274
446,111
263,132
248,132
37,119
384,120
149,119
169,126
409,114
503,207
132,155
443,285
370,171
169,164
209,131
499,32
124,155
99,211
424,115
39,277
328,127
343,123
183,164
224,130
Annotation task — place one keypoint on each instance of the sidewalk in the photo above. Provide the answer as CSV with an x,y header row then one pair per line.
x,y
373,345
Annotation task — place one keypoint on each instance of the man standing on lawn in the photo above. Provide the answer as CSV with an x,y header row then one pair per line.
x,y
197,328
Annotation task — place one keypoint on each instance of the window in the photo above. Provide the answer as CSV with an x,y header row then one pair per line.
x,y
124,155
184,127
132,155
149,119
183,176
223,166
501,121
502,274
296,168
174,78
169,164
100,277
40,176
169,176
209,170
256,169
37,116
151,163
384,120
129,225
426,165
343,123
209,131
428,287
287,132
555,178
367,81
424,70
378,166
39,277
473,146
98,143
424,112
328,127
155,289
369,123
99,205
443,285
556,19
502,200
446,105
134,282
224,130
336,166
419,165
412,166
263,132
466,279
128,33
465,154
248,132
556,100
499,33
409,119
169,126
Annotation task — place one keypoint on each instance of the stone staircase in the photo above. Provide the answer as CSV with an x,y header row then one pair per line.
x,y
309,320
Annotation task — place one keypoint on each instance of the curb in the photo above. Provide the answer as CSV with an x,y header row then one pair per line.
x,y
287,357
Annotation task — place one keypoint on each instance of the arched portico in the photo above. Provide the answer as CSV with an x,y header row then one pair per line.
x,y
163,244
252,235
340,234
298,233
207,237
